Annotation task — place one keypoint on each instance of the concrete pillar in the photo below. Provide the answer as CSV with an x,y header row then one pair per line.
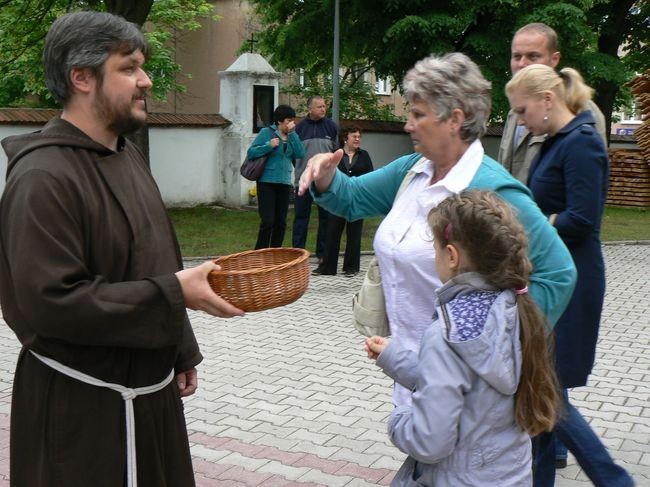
x,y
236,101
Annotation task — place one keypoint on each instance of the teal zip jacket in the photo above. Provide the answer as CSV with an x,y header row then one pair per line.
x,y
279,164
554,275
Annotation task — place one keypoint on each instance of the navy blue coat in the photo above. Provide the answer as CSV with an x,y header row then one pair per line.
x,y
569,177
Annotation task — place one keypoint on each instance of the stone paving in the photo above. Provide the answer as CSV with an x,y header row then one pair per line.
x,y
287,397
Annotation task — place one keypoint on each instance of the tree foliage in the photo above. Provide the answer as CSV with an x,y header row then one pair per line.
x,y
24,24
389,36
357,98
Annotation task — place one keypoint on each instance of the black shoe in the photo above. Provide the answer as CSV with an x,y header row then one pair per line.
x,y
560,463
319,271
350,273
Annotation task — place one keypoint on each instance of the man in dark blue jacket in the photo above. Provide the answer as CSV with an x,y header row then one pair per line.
x,y
318,134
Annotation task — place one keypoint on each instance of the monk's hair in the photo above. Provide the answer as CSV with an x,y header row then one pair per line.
x,y
489,233
85,40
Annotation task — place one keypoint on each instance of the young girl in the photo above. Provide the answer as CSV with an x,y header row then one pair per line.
x,y
482,382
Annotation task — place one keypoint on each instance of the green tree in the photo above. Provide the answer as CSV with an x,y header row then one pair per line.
x,y
24,23
389,36
623,25
357,98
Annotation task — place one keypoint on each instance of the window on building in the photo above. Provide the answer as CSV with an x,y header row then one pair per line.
x,y
383,87
632,114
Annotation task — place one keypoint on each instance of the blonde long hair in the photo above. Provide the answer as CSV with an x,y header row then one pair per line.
x,y
486,228
567,84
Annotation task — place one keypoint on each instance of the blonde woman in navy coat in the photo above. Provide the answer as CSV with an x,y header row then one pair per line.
x,y
568,180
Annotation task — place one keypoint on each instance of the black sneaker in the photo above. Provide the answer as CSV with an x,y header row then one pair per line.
x,y
560,463
350,273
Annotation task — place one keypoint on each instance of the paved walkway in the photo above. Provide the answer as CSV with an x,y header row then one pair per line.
x,y
287,397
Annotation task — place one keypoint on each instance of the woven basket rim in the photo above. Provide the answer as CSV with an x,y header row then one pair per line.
x,y
302,255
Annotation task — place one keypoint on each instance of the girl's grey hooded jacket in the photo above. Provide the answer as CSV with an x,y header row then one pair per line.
x,y
460,429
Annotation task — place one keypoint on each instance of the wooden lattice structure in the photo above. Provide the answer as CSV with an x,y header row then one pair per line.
x,y
640,87
629,170
629,178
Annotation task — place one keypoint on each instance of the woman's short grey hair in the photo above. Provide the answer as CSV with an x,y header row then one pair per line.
x,y
449,82
86,40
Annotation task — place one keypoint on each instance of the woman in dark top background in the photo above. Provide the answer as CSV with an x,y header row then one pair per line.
x,y
355,162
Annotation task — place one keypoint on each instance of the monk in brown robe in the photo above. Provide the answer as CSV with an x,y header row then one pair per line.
x,y
91,279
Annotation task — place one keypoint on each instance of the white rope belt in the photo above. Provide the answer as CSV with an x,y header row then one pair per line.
x,y
128,395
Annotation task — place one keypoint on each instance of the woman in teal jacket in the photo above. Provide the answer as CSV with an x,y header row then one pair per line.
x,y
449,107
282,145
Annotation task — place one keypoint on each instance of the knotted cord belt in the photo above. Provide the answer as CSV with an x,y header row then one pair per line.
x,y
128,395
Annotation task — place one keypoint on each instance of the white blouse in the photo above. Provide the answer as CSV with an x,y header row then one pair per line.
x,y
404,248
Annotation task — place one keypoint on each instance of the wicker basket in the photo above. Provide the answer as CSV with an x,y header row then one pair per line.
x,y
261,279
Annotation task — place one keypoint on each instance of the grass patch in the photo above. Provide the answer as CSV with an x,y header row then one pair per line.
x,y
210,231
214,231
625,224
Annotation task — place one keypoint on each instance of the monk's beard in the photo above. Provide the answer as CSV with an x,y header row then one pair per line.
x,y
118,118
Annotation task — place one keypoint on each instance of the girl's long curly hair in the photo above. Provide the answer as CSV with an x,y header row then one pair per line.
x,y
486,228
